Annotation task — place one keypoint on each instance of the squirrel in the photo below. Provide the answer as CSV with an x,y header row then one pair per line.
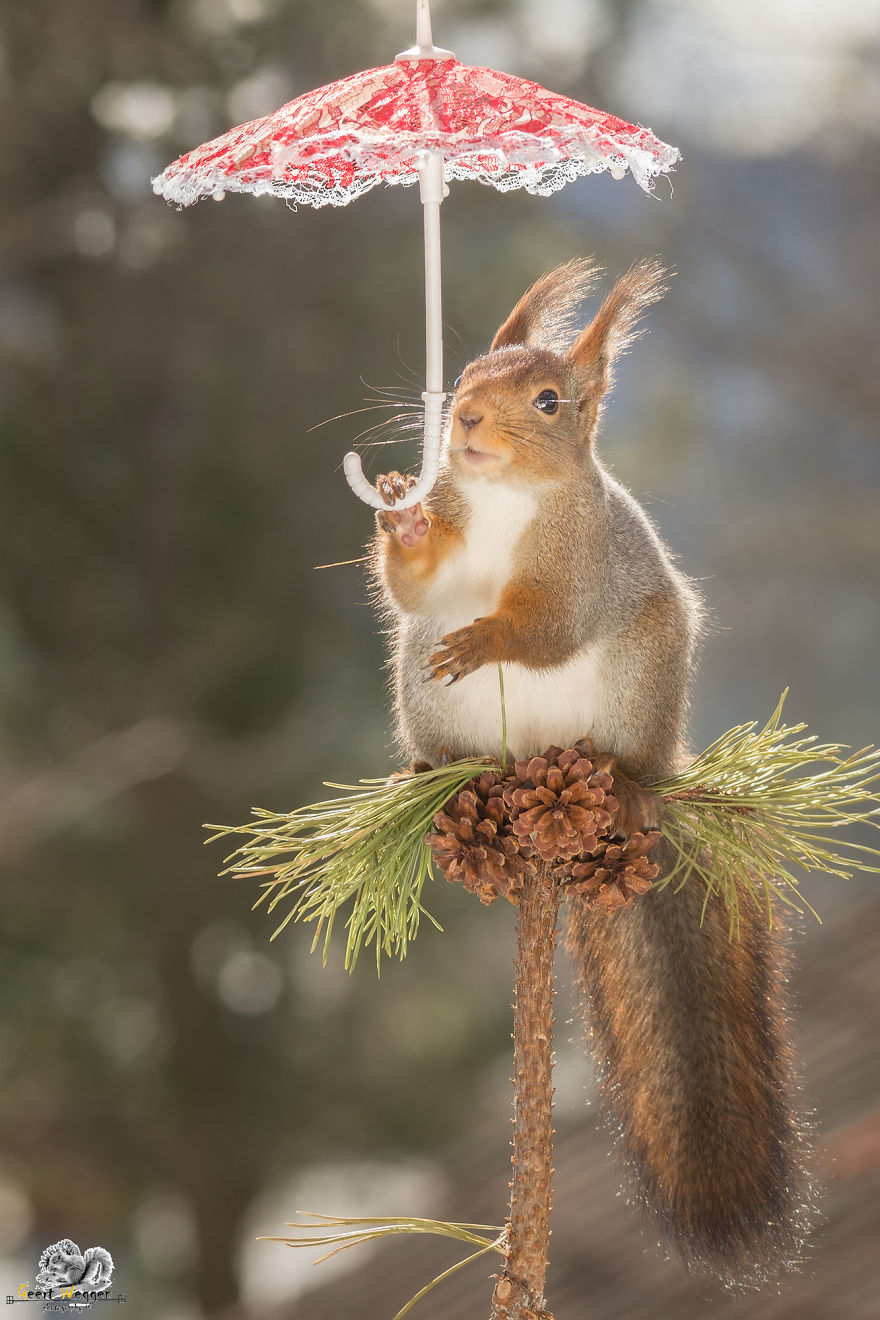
x,y
530,554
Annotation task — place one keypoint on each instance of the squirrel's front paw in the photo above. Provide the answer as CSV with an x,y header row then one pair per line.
x,y
463,651
406,524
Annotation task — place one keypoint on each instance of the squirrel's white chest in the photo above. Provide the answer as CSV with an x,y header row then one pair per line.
x,y
556,705
469,583
543,707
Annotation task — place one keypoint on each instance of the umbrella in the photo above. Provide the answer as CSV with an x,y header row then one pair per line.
x,y
424,119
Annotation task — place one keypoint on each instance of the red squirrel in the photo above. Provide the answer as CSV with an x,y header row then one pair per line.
x,y
529,554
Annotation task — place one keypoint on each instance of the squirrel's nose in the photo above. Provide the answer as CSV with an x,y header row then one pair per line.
x,y
468,420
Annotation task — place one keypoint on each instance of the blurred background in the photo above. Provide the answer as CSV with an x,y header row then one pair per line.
x,y
172,1084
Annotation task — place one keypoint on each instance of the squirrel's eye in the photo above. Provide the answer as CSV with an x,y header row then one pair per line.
x,y
458,380
547,401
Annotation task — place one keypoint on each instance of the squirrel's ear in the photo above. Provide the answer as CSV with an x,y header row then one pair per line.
x,y
614,328
546,315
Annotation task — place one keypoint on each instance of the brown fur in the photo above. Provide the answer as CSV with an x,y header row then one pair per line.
x,y
690,1033
690,1028
407,568
497,637
546,315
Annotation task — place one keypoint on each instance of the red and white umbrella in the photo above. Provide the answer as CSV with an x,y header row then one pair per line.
x,y
424,119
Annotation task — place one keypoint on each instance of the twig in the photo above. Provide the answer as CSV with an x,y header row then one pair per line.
x,y
519,1293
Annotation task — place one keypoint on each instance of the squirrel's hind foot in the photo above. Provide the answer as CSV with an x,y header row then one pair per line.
x,y
639,810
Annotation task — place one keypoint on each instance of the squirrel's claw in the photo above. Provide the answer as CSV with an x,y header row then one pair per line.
x,y
445,665
408,525
460,653
393,486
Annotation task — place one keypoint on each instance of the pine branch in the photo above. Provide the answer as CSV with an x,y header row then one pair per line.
x,y
755,807
367,849
762,801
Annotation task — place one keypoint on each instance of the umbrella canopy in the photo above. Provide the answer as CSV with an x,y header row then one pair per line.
x,y
427,119
334,144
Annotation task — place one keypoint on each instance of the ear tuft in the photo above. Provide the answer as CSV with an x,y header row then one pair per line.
x,y
546,316
614,328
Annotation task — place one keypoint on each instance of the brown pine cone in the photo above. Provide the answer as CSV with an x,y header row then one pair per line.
x,y
559,807
614,873
475,844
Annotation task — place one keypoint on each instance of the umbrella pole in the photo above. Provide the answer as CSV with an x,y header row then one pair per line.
x,y
432,189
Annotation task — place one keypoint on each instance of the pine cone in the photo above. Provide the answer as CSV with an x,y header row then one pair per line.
x,y
559,807
475,844
614,873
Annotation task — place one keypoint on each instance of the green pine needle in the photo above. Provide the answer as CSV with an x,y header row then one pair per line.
x,y
756,804
760,801
367,849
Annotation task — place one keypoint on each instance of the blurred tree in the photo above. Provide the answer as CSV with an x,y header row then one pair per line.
x,y
167,653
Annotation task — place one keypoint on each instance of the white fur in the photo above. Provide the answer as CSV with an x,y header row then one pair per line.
x,y
553,705
543,706
470,581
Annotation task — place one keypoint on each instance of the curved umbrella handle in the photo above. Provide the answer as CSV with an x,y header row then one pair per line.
x,y
354,473
432,190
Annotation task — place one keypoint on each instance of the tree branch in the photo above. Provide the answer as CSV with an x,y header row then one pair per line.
x,y
519,1293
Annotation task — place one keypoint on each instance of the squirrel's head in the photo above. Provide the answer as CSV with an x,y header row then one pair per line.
x,y
531,406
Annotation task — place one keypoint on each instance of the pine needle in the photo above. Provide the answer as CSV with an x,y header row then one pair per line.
x,y
441,1278
503,719
761,801
366,849
329,1231
753,809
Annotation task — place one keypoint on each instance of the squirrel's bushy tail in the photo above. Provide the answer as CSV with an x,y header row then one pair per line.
x,y
691,1037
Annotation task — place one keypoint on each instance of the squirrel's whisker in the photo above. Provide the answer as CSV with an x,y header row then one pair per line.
x,y
353,412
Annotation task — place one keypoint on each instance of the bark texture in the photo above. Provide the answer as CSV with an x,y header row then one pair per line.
x,y
519,1293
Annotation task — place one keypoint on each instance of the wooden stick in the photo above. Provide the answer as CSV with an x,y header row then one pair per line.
x,y
519,1292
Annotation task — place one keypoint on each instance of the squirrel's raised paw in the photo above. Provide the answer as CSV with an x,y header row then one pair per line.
x,y
408,525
